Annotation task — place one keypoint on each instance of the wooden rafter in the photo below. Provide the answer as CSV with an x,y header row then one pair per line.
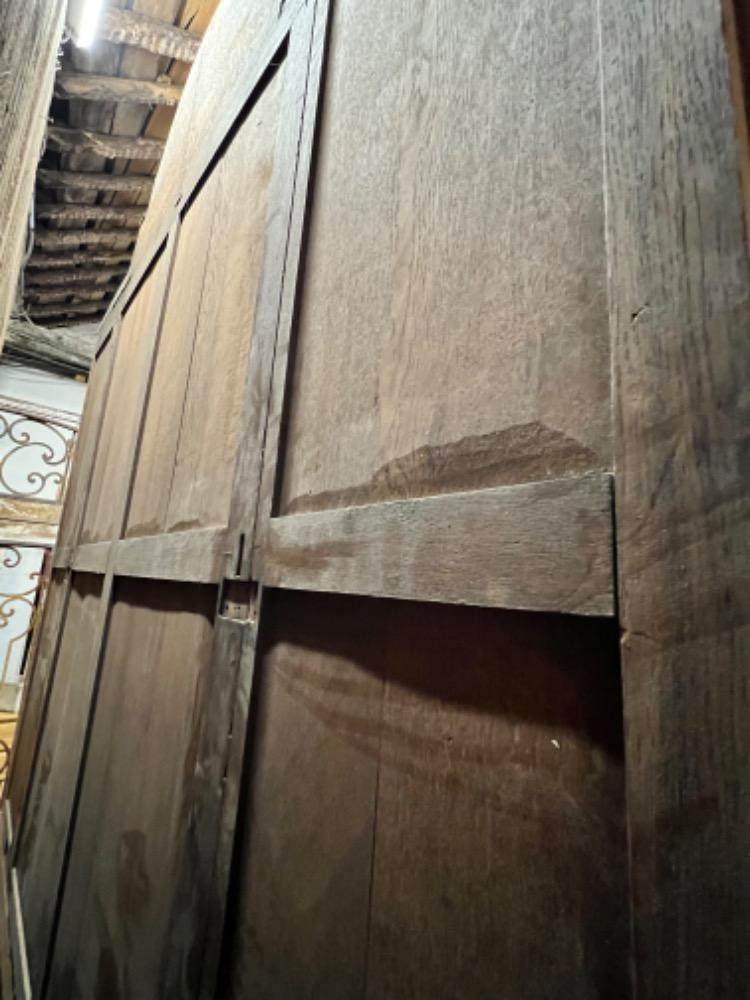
x,y
76,293
123,214
93,87
128,27
94,180
70,347
67,309
55,239
81,277
73,258
79,140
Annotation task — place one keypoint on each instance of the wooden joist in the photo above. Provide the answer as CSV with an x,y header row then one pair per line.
x,y
128,27
67,309
107,258
94,181
95,87
55,239
76,293
70,348
79,140
82,277
122,214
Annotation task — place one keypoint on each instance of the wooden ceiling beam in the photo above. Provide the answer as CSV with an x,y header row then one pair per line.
x,y
123,214
56,239
73,258
79,140
74,293
69,348
67,309
129,27
95,87
81,277
94,181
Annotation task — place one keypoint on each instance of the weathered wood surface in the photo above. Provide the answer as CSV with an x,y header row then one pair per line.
x,y
76,293
21,978
71,259
541,546
121,214
67,309
680,294
94,87
84,140
427,784
38,856
132,27
83,276
459,355
56,239
198,556
71,347
93,180
30,31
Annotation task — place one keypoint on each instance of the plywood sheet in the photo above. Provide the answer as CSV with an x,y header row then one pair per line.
x,y
135,801
105,505
453,325
43,837
435,807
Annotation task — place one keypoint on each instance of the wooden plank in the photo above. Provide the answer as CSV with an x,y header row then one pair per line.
x,y
485,227
93,87
93,180
91,558
30,33
76,293
197,556
128,838
67,309
71,259
41,839
85,275
84,140
55,239
541,546
132,27
81,213
680,312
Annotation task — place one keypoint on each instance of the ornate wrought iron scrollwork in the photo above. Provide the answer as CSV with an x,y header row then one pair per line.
x,y
33,442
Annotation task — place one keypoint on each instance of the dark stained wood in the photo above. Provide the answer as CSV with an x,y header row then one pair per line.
x,y
93,87
198,556
132,27
680,313
41,840
541,547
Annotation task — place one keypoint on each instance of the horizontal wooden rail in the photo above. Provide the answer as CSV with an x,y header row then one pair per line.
x,y
543,546
79,140
75,257
55,239
121,214
83,277
76,293
66,309
197,556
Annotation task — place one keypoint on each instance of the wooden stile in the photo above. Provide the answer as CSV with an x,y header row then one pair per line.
x,y
327,701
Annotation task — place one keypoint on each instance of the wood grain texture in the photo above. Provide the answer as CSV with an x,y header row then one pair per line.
x,y
133,27
76,293
680,294
30,32
82,276
103,144
129,834
42,838
55,239
91,558
196,556
93,180
71,259
47,312
94,87
81,213
541,546
480,289
130,374
478,782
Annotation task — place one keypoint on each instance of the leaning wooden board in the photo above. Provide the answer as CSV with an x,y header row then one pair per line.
x,y
338,564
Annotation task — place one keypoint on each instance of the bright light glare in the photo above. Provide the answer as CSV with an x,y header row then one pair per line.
x,y
89,22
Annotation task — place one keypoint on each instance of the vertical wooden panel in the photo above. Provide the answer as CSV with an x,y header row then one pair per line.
x,y
680,294
488,775
131,821
155,463
455,268
204,467
43,836
133,348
